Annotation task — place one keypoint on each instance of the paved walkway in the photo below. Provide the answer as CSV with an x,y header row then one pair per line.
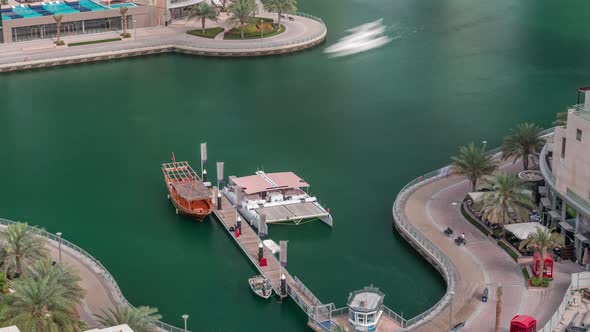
x,y
479,264
301,30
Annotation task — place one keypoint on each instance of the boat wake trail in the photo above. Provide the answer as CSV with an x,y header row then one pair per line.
x,y
362,38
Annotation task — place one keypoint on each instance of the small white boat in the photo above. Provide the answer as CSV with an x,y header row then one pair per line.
x,y
362,38
260,286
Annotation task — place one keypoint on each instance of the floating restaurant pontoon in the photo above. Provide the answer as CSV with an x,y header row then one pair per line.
x,y
186,190
280,197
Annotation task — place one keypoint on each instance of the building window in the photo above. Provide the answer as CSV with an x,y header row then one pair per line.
x,y
563,147
579,135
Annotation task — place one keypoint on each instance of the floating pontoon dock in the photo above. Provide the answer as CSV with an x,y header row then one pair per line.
x,y
322,317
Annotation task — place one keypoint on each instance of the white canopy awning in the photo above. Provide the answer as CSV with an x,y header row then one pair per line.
x,y
522,230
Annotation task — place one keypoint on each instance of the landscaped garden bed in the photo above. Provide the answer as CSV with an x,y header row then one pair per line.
x,y
209,33
90,42
255,30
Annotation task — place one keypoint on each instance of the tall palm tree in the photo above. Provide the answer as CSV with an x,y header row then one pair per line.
x,y
498,307
58,19
509,195
21,247
473,162
524,142
203,11
541,241
140,319
39,305
560,119
280,7
60,275
123,12
240,11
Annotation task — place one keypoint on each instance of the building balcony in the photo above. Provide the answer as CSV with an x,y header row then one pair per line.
x,y
572,199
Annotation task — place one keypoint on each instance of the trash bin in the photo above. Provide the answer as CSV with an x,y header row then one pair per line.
x,y
484,297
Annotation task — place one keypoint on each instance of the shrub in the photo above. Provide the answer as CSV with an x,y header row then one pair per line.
x,y
474,222
538,282
508,250
3,283
60,43
126,35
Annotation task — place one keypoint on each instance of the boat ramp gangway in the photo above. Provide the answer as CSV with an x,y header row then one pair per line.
x,y
248,241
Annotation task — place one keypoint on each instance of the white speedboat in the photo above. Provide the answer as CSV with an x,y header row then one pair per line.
x,y
260,286
362,38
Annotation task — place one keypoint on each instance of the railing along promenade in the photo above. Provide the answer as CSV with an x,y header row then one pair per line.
x,y
426,247
174,44
95,262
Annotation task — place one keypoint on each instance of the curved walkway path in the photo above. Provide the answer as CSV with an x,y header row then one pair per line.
x,y
479,264
301,33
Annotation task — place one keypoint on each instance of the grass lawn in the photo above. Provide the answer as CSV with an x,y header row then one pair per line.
x,y
252,31
209,33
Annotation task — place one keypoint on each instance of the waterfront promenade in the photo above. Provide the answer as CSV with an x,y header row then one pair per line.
x,y
101,290
303,32
479,264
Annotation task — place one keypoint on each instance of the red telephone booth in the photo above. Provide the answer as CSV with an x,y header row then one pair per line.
x,y
548,273
523,323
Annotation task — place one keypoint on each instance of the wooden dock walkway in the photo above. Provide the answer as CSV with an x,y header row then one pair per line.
x,y
248,242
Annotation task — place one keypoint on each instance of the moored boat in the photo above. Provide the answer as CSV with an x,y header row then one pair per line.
x,y
280,197
186,190
260,286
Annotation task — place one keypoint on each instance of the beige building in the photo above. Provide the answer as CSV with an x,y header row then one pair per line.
x,y
120,328
565,164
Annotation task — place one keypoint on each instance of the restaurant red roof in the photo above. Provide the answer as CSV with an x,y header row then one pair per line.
x,y
261,182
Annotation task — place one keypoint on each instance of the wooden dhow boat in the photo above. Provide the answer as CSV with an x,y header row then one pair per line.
x,y
260,286
186,190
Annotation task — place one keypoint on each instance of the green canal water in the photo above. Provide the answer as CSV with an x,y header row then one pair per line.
x,y
81,147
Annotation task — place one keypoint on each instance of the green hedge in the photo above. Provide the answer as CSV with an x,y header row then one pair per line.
x,y
474,222
209,33
236,34
525,272
94,42
508,250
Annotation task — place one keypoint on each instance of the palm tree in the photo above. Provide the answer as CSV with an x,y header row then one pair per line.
x,y
498,307
240,11
509,196
60,275
524,142
39,305
140,319
560,119
21,246
541,241
473,162
281,6
203,11
58,19
123,12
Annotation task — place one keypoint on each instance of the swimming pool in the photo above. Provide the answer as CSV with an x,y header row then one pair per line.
x,y
57,8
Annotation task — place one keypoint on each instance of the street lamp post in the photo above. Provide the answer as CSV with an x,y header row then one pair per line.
x,y
59,244
185,317
451,293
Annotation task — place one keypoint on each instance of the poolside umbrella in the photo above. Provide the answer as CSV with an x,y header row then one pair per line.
x,y
585,257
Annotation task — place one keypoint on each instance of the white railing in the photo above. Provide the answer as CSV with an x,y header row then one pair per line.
x,y
429,248
104,272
